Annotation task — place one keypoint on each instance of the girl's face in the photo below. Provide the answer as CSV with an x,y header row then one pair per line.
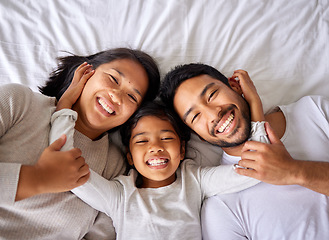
x,y
155,151
110,96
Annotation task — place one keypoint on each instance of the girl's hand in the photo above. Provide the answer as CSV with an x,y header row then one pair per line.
x,y
73,92
249,91
55,171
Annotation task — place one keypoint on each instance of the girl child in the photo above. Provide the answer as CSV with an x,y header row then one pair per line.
x,y
119,80
162,195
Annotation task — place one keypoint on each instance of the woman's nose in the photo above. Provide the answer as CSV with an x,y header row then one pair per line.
x,y
116,96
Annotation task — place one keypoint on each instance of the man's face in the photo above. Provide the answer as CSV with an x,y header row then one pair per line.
x,y
213,110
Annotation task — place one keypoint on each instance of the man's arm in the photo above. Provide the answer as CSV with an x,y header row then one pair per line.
x,y
271,163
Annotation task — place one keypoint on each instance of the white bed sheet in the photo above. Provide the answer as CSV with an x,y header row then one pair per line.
x,y
282,44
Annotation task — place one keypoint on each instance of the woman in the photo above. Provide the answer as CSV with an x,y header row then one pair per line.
x,y
118,81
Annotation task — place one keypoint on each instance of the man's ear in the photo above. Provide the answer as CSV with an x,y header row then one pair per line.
x,y
182,150
235,85
130,159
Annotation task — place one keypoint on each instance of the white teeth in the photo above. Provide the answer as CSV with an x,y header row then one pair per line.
x,y
105,106
157,162
227,123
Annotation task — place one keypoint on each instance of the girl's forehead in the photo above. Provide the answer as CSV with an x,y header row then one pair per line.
x,y
152,124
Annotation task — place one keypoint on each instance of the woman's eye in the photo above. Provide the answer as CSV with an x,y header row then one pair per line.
x,y
211,95
132,97
194,117
114,79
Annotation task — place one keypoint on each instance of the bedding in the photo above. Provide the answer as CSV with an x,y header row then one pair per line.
x,y
282,44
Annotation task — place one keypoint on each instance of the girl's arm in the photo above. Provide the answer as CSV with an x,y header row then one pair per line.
x,y
100,193
249,92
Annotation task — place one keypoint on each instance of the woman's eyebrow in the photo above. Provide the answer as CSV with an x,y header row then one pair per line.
x,y
122,75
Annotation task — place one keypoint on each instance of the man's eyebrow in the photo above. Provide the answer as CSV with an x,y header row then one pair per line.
x,y
205,89
122,74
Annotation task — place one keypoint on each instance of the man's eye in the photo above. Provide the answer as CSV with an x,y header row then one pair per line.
x,y
194,117
211,95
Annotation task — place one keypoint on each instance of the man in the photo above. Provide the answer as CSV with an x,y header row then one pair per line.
x,y
212,106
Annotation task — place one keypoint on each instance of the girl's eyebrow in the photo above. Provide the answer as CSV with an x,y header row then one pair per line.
x,y
142,133
138,134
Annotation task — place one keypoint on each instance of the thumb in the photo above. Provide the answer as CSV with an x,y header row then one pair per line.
x,y
271,134
59,143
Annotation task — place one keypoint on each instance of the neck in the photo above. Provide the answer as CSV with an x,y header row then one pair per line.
x,y
233,151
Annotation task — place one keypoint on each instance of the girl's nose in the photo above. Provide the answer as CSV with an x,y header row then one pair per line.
x,y
156,147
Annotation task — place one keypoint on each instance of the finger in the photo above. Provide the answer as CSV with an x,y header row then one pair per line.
x,y
79,72
252,146
58,144
274,139
83,180
75,153
84,169
247,163
81,65
246,172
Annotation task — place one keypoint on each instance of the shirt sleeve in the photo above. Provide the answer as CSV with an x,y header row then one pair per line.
x,y
63,122
14,102
258,132
100,193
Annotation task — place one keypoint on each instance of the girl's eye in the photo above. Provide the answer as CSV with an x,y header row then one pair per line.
x,y
141,141
211,95
167,138
194,117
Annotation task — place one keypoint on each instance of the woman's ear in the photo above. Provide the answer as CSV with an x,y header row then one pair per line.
x,y
235,85
182,150
130,159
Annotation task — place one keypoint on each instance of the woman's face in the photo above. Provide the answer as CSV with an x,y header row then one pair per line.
x,y
110,96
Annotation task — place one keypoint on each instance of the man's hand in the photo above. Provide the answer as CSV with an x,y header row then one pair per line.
x,y
55,171
269,163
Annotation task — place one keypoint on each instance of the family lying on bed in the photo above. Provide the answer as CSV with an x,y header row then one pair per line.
x,y
161,196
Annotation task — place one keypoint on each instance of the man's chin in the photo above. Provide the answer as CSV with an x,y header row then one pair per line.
x,y
224,144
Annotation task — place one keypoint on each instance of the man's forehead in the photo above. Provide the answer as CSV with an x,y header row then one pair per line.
x,y
196,84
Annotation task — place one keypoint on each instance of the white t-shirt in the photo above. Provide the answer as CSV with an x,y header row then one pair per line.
x,y
272,212
170,212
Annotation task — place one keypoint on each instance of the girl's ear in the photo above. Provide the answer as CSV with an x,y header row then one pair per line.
x,y
182,150
130,159
235,85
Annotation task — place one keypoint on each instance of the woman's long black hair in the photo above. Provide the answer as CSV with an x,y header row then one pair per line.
x,y
61,78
